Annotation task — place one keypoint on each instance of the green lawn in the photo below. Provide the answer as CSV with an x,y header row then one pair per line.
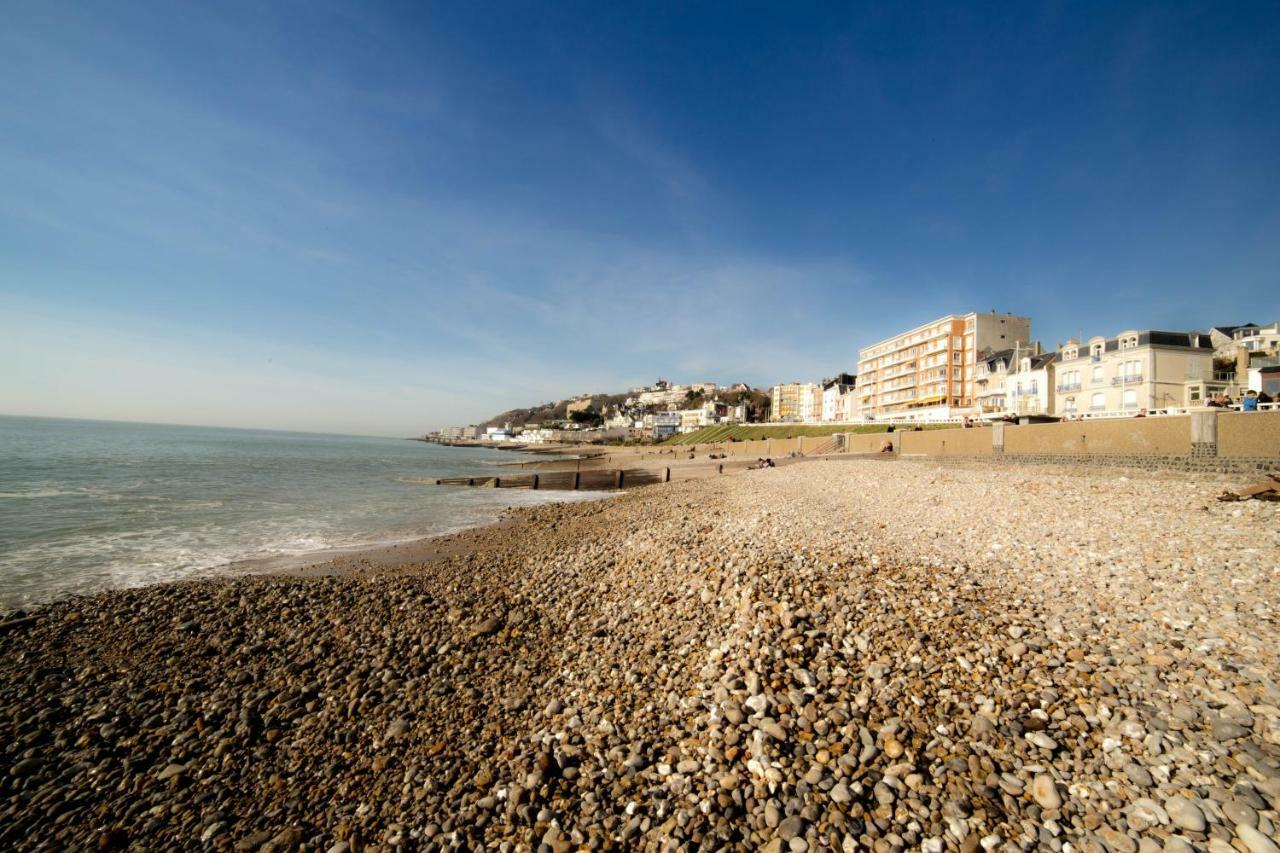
x,y
749,432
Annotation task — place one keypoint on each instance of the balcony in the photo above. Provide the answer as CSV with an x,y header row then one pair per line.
x,y
1068,386
1127,379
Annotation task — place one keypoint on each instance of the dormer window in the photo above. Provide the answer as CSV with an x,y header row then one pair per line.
x,y
1095,350
1070,353
1129,342
1026,366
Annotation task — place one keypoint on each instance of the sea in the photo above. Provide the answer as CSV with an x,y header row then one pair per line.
x,y
93,505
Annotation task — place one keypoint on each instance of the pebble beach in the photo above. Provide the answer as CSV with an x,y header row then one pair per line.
x,y
835,655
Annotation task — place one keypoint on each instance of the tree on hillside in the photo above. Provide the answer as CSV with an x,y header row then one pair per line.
x,y
694,399
587,417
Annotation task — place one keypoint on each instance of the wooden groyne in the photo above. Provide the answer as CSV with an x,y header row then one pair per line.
x,y
597,479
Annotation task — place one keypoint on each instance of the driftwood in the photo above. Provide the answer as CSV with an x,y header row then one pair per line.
x,y
1267,490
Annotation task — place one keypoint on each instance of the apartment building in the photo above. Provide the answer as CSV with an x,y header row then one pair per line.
x,y
1134,370
929,371
795,402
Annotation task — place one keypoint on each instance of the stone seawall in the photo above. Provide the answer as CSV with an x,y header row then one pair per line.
x,y
1144,462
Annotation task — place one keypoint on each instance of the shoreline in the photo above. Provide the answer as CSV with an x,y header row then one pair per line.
x,y
864,655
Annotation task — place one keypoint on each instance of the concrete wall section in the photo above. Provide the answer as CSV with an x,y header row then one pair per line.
x,y
865,442
1121,436
948,442
1249,434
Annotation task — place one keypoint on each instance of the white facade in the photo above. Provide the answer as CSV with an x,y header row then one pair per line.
x,y
1029,386
1257,338
833,395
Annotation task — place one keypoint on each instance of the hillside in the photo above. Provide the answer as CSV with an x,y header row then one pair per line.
x,y
555,411
756,400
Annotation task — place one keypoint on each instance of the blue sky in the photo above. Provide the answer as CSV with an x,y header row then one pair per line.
x,y
385,218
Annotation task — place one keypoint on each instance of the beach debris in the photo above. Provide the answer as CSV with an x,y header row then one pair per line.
x,y
1267,490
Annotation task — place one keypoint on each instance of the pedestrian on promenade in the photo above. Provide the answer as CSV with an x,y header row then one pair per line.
x,y
1249,402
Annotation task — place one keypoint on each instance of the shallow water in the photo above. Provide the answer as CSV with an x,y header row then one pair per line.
x,y
89,505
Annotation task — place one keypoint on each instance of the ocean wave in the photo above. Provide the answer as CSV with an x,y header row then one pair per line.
x,y
39,493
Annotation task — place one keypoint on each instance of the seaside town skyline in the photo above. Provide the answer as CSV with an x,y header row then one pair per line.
x,y
213,227
957,368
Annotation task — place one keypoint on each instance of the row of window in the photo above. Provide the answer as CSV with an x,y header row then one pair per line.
x,y
1097,349
1098,401
1130,371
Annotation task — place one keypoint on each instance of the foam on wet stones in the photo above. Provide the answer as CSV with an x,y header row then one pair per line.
x,y
817,657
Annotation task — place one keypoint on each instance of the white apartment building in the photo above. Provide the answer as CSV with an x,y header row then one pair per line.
x,y
793,402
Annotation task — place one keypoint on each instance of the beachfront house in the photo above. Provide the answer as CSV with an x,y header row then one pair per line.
x,y
1030,384
833,391
666,424
1135,370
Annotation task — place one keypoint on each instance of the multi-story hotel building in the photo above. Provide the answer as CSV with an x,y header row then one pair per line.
x,y
929,370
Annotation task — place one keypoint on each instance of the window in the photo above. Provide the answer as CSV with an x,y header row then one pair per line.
x,y
1129,342
1070,353
1131,398
1097,375
1071,405
1095,350
1098,402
